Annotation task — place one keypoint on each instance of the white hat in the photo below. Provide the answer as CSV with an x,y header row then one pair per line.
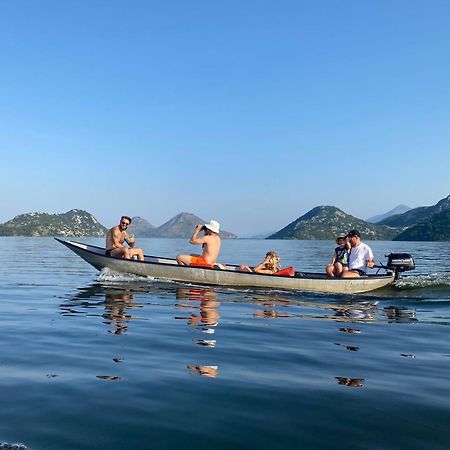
x,y
213,226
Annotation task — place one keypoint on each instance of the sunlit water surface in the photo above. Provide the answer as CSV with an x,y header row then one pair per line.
x,y
108,361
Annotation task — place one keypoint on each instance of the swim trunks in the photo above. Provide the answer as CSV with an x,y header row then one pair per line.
x,y
199,261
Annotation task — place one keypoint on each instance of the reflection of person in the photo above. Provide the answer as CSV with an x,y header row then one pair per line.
x,y
359,258
210,242
339,260
269,313
115,241
205,371
270,265
350,330
209,316
116,305
271,301
353,382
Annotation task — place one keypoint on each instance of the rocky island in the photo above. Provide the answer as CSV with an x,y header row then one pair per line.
x,y
73,223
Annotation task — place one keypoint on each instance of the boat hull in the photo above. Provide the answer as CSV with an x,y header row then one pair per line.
x,y
168,269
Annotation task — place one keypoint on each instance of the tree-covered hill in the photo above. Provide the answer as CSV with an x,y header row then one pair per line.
x,y
328,222
436,228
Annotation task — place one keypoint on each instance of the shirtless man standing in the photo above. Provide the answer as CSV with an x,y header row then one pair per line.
x,y
210,242
117,236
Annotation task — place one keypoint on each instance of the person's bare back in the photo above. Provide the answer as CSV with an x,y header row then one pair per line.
x,y
210,242
211,247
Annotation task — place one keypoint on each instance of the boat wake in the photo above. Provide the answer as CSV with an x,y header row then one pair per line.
x,y
110,276
434,280
5,446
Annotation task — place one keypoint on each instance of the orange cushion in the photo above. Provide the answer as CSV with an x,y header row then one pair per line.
x,y
286,272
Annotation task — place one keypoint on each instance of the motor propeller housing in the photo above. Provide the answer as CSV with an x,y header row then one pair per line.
x,y
400,262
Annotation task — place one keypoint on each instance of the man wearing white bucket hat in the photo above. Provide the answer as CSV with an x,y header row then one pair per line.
x,y
210,242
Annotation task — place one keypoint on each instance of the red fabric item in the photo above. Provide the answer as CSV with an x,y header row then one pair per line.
x,y
286,272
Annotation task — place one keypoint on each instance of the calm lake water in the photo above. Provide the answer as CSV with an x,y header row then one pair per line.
x,y
105,361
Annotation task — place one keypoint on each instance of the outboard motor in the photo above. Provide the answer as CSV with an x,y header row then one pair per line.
x,y
400,262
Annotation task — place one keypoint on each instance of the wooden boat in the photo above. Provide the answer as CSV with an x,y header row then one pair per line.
x,y
168,269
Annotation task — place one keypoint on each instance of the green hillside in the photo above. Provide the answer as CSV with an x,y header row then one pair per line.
x,y
327,222
436,228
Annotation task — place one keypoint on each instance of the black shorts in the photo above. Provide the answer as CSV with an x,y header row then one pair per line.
x,y
108,252
361,272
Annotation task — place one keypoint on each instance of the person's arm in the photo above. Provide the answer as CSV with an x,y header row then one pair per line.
x,y
129,240
261,268
370,263
333,258
370,259
195,239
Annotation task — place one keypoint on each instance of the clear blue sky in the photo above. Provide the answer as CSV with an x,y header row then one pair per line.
x,y
248,112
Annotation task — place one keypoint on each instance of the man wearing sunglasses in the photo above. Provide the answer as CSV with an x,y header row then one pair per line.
x,y
115,241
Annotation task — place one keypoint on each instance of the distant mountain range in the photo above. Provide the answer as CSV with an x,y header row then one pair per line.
x,y
262,235
180,226
140,226
400,209
414,216
426,223
75,222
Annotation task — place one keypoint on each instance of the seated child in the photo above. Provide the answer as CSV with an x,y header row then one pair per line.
x,y
270,265
339,260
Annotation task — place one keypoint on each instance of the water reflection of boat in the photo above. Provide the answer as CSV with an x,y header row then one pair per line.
x,y
401,315
168,269
356,311
279,306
